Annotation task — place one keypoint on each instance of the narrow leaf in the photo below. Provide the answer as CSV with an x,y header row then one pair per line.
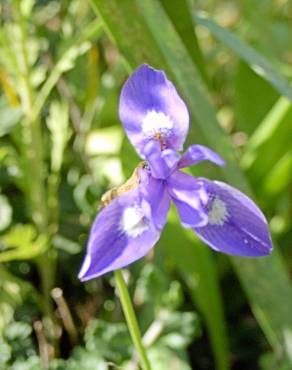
x,y
195,263
180,15
255,60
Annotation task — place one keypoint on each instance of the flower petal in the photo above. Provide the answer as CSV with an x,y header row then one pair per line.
x,y
188,194
235,224
122,233
197,153
161,163
155,193
150,108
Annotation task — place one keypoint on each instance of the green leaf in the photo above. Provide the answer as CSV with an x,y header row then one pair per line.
x,y
134,27
155,288
253,98
67,61
274,132
161,358
257,62
181,17
110,340
178,329
21,242
58,124
279,177
194,261
85,360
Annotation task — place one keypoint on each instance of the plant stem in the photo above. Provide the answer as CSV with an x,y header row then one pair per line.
x,y
131,319
32,143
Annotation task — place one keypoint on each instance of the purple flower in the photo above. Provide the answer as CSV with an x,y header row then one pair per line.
x,y
156,121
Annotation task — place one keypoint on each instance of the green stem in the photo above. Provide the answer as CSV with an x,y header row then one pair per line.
x,y
131,319
34,167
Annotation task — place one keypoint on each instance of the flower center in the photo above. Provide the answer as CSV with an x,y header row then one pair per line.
x,y
218,212
158,126
133,221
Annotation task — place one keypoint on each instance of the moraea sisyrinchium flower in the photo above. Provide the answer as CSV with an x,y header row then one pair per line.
x,y
156,121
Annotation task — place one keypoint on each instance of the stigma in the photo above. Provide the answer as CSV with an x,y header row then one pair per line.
x,y
158,126
133,221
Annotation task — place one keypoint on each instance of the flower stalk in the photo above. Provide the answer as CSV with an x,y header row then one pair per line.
x,y
131,319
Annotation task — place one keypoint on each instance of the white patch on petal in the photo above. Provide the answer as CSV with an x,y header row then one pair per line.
x,y
218,213
157,125
133,221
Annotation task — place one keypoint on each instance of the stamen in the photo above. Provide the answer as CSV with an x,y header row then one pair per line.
x,y
133,221
158,126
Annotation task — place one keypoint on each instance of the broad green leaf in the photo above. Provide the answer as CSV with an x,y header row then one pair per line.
x,y
140,42
256,61
253,98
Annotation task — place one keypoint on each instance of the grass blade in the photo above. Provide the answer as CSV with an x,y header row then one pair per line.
x,y
256,61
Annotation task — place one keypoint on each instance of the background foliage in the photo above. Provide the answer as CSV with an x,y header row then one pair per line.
x,y
62,65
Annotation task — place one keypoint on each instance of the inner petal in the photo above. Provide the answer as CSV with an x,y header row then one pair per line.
x,y
158,126
133,221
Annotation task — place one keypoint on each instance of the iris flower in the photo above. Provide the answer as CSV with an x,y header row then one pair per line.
x,y
156,121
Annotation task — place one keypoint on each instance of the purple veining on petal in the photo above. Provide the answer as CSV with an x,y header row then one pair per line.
x,y
236,225
155,193
151,109
161,163
187,194
122,233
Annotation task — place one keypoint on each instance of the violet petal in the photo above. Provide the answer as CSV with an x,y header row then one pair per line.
x,y
161,163
187,194
197,153
150,108
235,224
122,233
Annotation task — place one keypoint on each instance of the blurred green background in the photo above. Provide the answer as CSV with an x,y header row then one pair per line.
x,y
62,65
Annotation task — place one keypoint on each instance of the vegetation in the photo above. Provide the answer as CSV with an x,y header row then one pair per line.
x,y
62,65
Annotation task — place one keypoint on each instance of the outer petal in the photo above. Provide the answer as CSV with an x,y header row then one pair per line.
x,y
119,236
148,101
188,194
197,153
235,224
161,163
